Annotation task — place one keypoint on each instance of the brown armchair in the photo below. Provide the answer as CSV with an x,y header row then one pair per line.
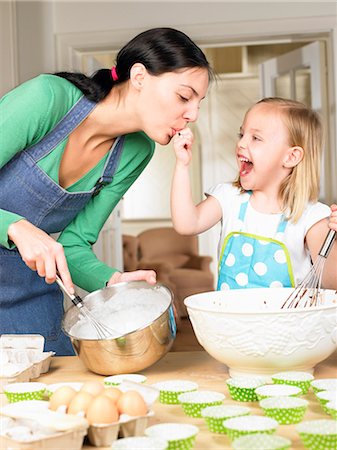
x,y
177,262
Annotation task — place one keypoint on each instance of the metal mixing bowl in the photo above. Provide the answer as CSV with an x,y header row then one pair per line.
x,y
130,352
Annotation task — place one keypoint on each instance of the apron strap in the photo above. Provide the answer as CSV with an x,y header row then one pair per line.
x,y
110,166
65,126
243,210
242,213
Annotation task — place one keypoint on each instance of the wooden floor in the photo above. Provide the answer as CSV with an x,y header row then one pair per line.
x,y
185,340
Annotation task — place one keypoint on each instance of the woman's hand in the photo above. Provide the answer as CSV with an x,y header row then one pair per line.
x,y
333,218
137,275
40,252
182,144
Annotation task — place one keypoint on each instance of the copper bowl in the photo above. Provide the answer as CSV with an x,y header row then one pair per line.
x,y
129,352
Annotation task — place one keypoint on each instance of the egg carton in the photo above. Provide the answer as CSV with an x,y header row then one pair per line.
x,y
68,439
127,426
22,358
20,376
29,425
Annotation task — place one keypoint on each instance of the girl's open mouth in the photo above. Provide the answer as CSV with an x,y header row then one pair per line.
x,y
245,165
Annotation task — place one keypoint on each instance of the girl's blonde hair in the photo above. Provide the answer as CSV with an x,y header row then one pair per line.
x,y
304,130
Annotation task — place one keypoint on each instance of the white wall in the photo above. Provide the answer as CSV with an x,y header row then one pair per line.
x,y
92,16
35,24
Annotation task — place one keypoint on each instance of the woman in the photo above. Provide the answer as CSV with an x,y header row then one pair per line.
x,y
70,148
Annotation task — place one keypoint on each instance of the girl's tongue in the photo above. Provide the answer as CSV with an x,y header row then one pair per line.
x,y
246,167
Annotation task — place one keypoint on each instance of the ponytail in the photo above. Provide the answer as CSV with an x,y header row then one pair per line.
x,y
96,87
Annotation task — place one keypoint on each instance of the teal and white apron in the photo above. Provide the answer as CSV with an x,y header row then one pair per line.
x,y
253,261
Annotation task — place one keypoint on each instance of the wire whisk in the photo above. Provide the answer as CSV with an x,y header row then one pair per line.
x,y
308,292
102,330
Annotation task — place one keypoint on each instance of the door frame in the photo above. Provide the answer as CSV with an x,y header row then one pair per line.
x,y
313,57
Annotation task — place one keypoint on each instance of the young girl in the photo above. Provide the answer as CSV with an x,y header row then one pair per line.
x,y
272,224
70,147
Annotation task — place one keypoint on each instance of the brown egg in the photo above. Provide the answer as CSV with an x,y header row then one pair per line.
x,y
113,393
61,397
132,403
102,410
80,403
93,387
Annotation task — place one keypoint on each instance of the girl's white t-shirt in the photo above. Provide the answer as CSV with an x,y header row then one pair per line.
x,y
266,225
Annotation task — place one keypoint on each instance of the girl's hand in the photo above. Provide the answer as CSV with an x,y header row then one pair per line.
x,y
137,275
333,218
182,144
40,252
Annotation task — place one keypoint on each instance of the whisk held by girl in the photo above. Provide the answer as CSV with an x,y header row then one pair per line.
x,y
272,224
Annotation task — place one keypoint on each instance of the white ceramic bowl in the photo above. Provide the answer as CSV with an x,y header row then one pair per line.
x,y
247,330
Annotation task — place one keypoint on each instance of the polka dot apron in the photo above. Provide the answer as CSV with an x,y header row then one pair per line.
x,y
253,261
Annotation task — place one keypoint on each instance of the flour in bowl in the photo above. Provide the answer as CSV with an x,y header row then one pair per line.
x,y
125,312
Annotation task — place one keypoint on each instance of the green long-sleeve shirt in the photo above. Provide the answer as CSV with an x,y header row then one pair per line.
x,y
29,112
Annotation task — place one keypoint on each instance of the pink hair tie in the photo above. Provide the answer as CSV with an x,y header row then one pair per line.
x,y
114,73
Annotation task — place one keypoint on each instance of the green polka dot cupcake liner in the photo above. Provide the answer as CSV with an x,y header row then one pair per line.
x,y
318,434
324,384
286,410
244,425
261,441
325,397
194,402
170,390
179,436
294,378
277,390
17,392
116,380
140,443
242,389
215,415
331,408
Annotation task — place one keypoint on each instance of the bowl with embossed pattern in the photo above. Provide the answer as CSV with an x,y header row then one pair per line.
x,y
250,332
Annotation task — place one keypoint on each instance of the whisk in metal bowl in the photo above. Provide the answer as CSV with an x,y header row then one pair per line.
x,y
102,330
307,293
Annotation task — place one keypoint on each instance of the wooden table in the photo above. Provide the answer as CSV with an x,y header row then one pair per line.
x,y
208,373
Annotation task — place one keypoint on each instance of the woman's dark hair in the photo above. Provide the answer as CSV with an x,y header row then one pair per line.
x,y
160,50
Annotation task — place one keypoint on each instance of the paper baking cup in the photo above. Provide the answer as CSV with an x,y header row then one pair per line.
x,y
301,379
194,402
178,435
286,410
242,389
331,408
324,384
326,396
240,426
262,442
116,380
140,443
277,390
215,415
170,390
318,434
17,392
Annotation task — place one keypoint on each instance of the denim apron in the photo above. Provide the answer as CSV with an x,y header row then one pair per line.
x,y
27,303
253,261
